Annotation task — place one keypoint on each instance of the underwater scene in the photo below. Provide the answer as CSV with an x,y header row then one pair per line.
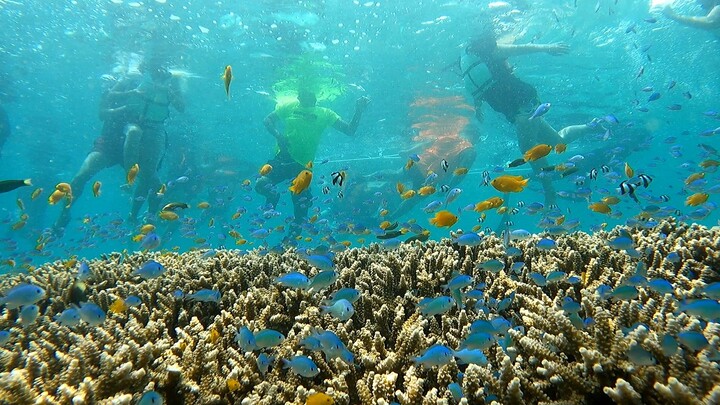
x,y
359,202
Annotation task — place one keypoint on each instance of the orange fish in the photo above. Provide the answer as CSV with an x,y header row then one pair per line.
x,y
600,207
301,182
629,172
96,188
132,174
444,218
537,152
267,168
697,199
560,148
509,184
227,79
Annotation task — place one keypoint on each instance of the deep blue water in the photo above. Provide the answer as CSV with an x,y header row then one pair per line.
x,y
54,55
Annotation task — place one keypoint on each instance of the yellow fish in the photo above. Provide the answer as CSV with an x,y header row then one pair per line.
x,y
96,188
162,190
319,398
233,384
509,184
610,200
56,196
168,215
35,194
629,172
460,171
385,224
444,218
409,164
384,212
267,168
560,148
227,77
301,182
537,152
693,177
64,187
18,225
147,228
118,306
492,202
600,207
408,194
400,187
426,190
709,163
132,174
138,237
20,204
204,205
697,199
309,165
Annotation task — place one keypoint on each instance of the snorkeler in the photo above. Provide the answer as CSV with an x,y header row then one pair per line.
x,y
709,22
145,145
304,123
490,79
118,111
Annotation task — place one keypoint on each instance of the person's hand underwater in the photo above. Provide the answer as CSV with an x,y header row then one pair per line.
x,y
361,103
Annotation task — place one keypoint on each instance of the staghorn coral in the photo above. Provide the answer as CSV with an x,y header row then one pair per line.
x,y
186,351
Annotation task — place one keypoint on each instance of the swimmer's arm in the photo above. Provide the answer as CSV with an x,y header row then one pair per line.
x,y
710,21
270,124
349,129
508,50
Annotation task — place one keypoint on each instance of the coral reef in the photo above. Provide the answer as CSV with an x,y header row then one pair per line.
x,y
186,350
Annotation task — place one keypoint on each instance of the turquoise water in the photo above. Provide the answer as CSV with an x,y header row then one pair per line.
x,y
56,55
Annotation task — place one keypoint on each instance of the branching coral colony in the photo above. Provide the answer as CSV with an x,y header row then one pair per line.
x,y
580,322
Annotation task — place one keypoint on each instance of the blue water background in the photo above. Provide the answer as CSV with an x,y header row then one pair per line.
x,y
54,54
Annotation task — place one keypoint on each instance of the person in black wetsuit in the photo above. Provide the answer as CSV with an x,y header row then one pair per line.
x,y
490,79
118,111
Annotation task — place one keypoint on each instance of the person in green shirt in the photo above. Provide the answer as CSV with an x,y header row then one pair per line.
x,y
303,124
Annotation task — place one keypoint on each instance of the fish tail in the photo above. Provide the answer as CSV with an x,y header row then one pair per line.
x,y
27,182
